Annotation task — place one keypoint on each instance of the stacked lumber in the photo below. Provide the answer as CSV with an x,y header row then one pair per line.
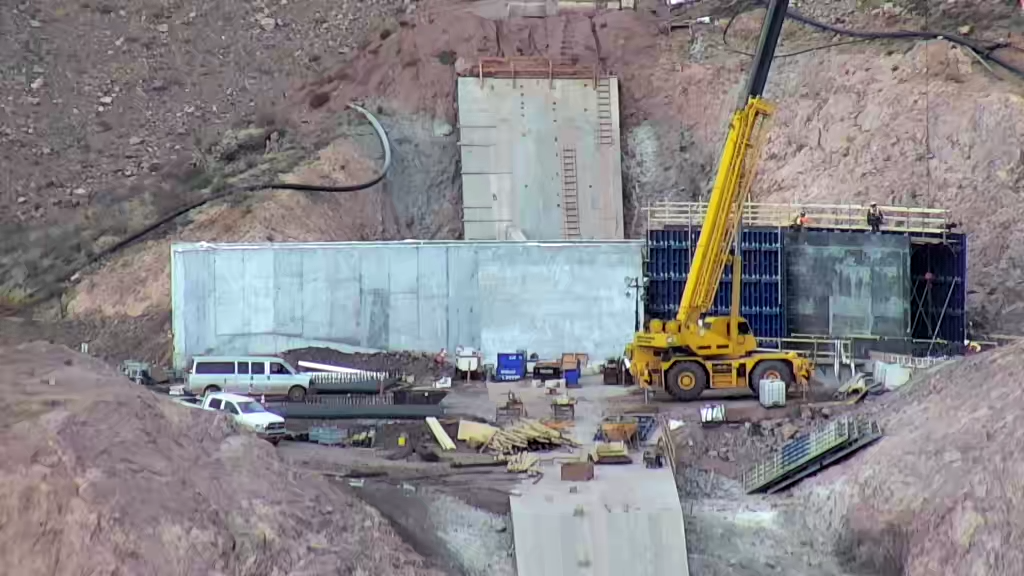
x,y
440,435
526,435
523,462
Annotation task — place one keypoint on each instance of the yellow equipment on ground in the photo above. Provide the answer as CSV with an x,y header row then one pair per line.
x,y
687,355
610,453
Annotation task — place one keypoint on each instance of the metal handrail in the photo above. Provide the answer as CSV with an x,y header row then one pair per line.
x,y
822,216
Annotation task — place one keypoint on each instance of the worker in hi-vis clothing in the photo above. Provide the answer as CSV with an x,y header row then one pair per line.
x,y
800,221
875,217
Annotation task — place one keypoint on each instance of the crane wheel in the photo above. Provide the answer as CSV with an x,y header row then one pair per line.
x,y
771,370
686,380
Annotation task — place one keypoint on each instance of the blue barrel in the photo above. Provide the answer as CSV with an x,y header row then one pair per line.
x,y
510,367
572,379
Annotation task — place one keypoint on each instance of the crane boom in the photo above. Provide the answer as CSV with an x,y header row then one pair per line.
x,y
735,174
694,351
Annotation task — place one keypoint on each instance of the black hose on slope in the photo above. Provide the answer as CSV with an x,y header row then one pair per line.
x,y
985,52
138,235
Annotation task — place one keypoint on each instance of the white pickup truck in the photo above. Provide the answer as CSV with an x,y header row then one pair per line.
x,y
247,412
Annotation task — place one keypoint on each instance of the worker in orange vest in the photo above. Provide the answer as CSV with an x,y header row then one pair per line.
x,y
800,221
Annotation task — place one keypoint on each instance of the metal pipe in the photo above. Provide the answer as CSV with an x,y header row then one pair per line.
x,y
340,412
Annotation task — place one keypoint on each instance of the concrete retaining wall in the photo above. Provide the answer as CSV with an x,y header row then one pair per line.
x,y
520,139
848,284
496,296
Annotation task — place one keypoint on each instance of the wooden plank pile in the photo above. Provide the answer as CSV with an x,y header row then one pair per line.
x,y
526,435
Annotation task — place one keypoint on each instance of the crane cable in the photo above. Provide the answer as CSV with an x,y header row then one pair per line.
x,y
984,52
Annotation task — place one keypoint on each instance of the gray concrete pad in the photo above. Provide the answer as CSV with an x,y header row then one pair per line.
x,y
626,521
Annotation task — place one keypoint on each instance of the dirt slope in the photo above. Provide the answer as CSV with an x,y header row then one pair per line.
x,y
102,477
137,281
941,492
899,122
112,107
921,125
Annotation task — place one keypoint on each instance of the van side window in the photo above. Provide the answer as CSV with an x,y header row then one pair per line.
x,y
243,367
278,368
215,404
215,368
257,367
230,407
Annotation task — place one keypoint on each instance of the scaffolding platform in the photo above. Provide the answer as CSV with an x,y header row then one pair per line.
x,y
808,453
839,217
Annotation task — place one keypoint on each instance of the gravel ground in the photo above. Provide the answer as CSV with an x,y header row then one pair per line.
x,y
480,540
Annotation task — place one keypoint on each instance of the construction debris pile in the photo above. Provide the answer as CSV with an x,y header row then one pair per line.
x,y
103,477
421,368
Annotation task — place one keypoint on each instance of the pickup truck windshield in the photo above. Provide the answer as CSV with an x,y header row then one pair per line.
x,y
250,407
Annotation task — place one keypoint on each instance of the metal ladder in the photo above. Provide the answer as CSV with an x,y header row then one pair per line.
x,y
566,50
605,129
570,194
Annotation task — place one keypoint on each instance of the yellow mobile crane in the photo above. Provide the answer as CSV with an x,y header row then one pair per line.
x,y
693,352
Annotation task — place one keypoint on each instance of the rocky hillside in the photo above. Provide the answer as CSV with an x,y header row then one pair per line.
x,y
115,111
939,493
908,122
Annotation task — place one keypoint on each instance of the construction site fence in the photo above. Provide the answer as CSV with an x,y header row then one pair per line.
x,y
819,216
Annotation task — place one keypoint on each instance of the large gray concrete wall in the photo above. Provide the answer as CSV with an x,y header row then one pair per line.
x,y
848,284
548,298
512,137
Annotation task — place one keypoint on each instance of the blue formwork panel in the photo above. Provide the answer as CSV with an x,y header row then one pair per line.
x,y
762,297
938,276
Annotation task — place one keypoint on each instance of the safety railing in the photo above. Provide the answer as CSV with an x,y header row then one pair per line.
x,y
817,348
667,442
818,216
824,443
821,350
532,67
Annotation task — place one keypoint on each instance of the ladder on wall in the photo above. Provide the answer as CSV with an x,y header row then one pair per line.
x,y
566,50
570,194
605,129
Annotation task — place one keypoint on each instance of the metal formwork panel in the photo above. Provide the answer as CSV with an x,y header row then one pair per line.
x,y
938,275
762,298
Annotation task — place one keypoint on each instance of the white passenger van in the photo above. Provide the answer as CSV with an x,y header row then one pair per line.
x,y
267,375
